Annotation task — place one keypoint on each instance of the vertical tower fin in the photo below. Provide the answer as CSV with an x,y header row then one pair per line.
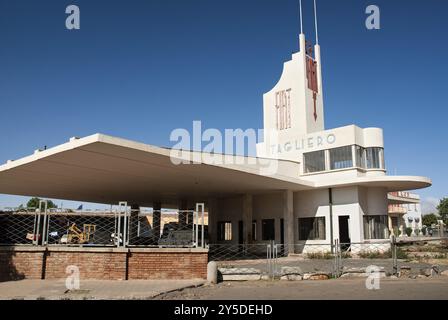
x,y
315,22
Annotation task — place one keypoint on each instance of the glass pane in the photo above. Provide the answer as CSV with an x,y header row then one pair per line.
x,y
360,157
312,228
341,158
314,161
376,227
373,158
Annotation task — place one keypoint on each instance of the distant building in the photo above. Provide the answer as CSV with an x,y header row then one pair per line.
x,y
405,212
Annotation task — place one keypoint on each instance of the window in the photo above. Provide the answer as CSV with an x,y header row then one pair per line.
x,y
373,158
376,227
312,228
314,161
254,230
224,231
341,158
268,229
360,157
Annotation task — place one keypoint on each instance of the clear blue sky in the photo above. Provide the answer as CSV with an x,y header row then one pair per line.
x,y
140,68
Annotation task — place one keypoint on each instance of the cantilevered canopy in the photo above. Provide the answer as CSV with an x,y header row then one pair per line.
x,y
105,169
391,183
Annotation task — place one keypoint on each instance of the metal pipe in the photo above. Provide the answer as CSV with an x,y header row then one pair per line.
x,y
203,228
125,218
37,234
330,203
44,227
315,22
117,235
197,227
193,228
128,221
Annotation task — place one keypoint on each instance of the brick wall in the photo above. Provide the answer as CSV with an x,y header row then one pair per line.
x,y
93,265
167,265
20,264
103,263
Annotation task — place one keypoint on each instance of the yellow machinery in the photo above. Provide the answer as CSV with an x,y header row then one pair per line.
x,y
75,235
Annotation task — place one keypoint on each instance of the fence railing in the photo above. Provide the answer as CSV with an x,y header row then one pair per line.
x,y
123,227
330,260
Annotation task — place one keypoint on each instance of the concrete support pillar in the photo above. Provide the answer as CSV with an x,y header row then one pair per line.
x,y
288,219
156,218
183,207
133,223
247,218
212,210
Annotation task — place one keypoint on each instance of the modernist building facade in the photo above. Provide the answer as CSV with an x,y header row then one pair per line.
x,y
330,184
349,161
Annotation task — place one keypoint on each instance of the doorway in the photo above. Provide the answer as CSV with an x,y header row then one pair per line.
x,y
240,232
344,232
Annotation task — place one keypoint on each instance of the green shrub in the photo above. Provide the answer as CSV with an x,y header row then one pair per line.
x,y
319,255
424,230
401,254
408,231
375,254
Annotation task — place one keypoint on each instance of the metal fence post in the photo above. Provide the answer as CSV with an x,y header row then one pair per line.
x,y
393,250
275,259
202,206
122,207
193,235
44,203
36,214
268,259
337,258
37,228
128,223
197,228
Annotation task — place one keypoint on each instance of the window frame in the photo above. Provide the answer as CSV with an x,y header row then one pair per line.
x,y
254,230
317,169
305,235
349,160
372,233
224,231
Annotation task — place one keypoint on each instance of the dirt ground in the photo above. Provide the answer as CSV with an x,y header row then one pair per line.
x,y
401,289
327,265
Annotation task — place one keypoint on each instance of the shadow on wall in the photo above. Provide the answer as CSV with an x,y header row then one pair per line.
x,y
8,271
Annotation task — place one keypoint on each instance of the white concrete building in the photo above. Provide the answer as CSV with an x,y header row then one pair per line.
x,y
330,184
405,212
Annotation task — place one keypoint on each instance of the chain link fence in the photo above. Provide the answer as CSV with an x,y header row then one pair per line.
x,y
408,256
355,258
182,228
17,228
272,261
241,261
122,227
323,261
